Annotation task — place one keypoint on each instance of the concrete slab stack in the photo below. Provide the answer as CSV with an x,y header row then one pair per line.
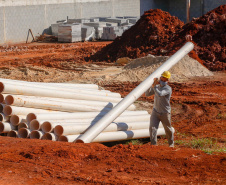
x,y
69,33
120,21
87,33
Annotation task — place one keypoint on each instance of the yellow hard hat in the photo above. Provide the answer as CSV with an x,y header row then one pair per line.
x,y
166,74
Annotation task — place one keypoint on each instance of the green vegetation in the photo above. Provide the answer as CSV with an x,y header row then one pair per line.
x,y
207,145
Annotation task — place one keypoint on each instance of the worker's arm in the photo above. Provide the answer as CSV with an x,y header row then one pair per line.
x,y
162,92
149,92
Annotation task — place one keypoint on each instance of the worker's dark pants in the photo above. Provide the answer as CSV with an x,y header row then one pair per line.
x,y
165,118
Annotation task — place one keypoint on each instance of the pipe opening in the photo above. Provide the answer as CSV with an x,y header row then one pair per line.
x,y
34,125
1,116
7,110
30,117
14,120
22,125
24,133
12,133
79,141
46,126
49,136
9,100
1,87
2,127
35,134
1,98
58,130
63,138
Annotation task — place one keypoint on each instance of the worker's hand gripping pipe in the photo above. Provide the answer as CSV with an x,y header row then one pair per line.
x,y
97,128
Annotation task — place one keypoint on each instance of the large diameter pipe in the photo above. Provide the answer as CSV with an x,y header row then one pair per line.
x,y
114,136
66,85
49,136
120,126
12,133
22,125
36,134
96,129
10,110
48,126
24,133
35,91
21,100
76,115
54,105
6,127
16,119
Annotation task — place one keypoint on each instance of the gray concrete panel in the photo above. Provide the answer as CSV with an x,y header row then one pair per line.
x,y
56,12
19,19
126,7
96,9
2,25
178,8
212,4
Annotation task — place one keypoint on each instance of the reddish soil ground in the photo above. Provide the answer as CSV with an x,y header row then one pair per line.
x,y
198,111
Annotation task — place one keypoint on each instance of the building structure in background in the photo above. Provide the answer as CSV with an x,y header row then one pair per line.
x,y
18,16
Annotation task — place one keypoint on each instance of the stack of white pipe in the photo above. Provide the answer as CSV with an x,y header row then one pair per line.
x,y
59,111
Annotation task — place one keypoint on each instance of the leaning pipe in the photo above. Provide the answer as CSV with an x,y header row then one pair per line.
x,y
114,136
76,115
96,129
35,91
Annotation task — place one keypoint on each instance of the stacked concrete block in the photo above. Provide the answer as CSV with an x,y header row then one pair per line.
x,y
133,20
87,33
110,33
98,26
117,20
69,33
71,21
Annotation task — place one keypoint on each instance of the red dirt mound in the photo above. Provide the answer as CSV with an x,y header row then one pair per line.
x,y
154,29
159,33
208,34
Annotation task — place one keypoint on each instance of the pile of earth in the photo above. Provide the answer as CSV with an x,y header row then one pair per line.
x,y
154,29
139,69
159,33
209,35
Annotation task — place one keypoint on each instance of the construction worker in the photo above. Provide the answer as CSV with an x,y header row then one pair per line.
x,y
162,110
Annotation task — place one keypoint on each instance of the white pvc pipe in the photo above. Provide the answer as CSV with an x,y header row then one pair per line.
x,y
49,136
10,110
24,133
16,119
66,85
54,105
5,127
96,129
119,126
22,125
21,100
12,133
76,115
48,126
4,118
36,134
35,91
114,136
